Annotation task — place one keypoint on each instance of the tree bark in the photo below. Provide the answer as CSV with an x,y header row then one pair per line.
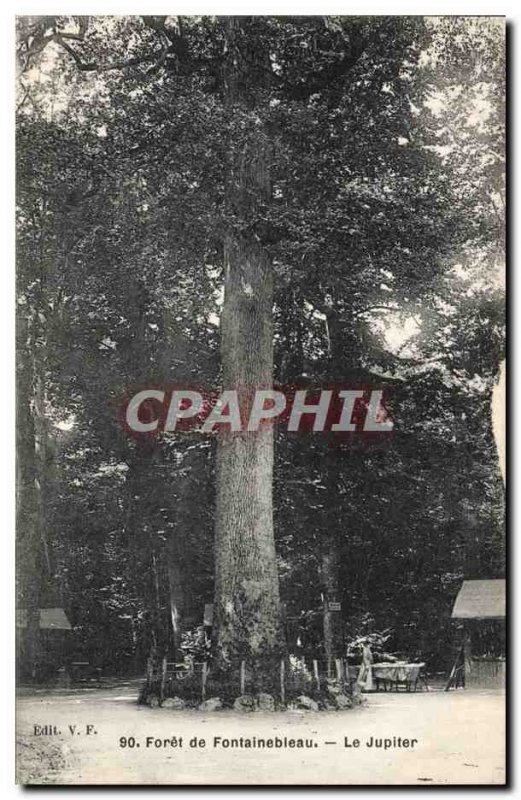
x,y
246,591
29,558
330,593
34,458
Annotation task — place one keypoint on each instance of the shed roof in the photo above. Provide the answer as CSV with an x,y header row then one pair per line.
x,y
50,619
481,600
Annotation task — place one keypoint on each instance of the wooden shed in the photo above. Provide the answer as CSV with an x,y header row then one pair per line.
x,y
480,607
48,619
50,647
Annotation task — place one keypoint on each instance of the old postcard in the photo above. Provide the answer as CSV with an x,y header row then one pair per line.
x,y
260,399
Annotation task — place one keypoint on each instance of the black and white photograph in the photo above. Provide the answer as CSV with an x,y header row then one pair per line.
x,y
260,400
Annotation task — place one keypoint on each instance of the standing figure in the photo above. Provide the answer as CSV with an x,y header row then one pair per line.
x,y
365,675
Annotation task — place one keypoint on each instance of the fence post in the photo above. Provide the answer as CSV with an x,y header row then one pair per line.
x,y
243,677
338,665
203,682
282,687
163,679
150,673
315,672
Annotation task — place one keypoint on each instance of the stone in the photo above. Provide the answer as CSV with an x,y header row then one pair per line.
x,y
307,703
212,704
357,696
328,705
175,703
245,702
332,687
265,702
153,701
343,701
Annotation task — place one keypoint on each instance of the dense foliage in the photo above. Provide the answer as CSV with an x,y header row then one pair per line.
x,y
385,232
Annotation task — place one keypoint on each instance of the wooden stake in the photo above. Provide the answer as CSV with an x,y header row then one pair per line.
x,y
163,679
315,672
282,687
338,665
150,673
243,677
203,681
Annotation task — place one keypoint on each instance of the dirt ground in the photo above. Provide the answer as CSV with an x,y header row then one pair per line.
x,y
460,740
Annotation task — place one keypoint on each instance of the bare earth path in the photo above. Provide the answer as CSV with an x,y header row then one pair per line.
x,y
460,741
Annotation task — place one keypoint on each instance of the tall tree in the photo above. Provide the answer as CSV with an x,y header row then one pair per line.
x,y
246,579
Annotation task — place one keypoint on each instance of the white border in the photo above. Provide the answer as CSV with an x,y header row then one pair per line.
x,y
415,7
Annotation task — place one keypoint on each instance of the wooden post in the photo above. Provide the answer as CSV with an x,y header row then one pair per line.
x,y
203,681
150,672
315,672
338,665
467,656
243,677
282,687
163,679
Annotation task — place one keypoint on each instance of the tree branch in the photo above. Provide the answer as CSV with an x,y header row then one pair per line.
x,y
94,67
374,308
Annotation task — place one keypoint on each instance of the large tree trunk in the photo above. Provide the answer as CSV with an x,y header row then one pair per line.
x,y
330,593
246,592
29,556
34,457
146,548
189,563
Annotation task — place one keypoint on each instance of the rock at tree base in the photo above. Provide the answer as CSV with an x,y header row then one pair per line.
x,y
328,706
342,701
245,702
265,702
212,704
357,696
152,701
306,703
332,687
174,703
